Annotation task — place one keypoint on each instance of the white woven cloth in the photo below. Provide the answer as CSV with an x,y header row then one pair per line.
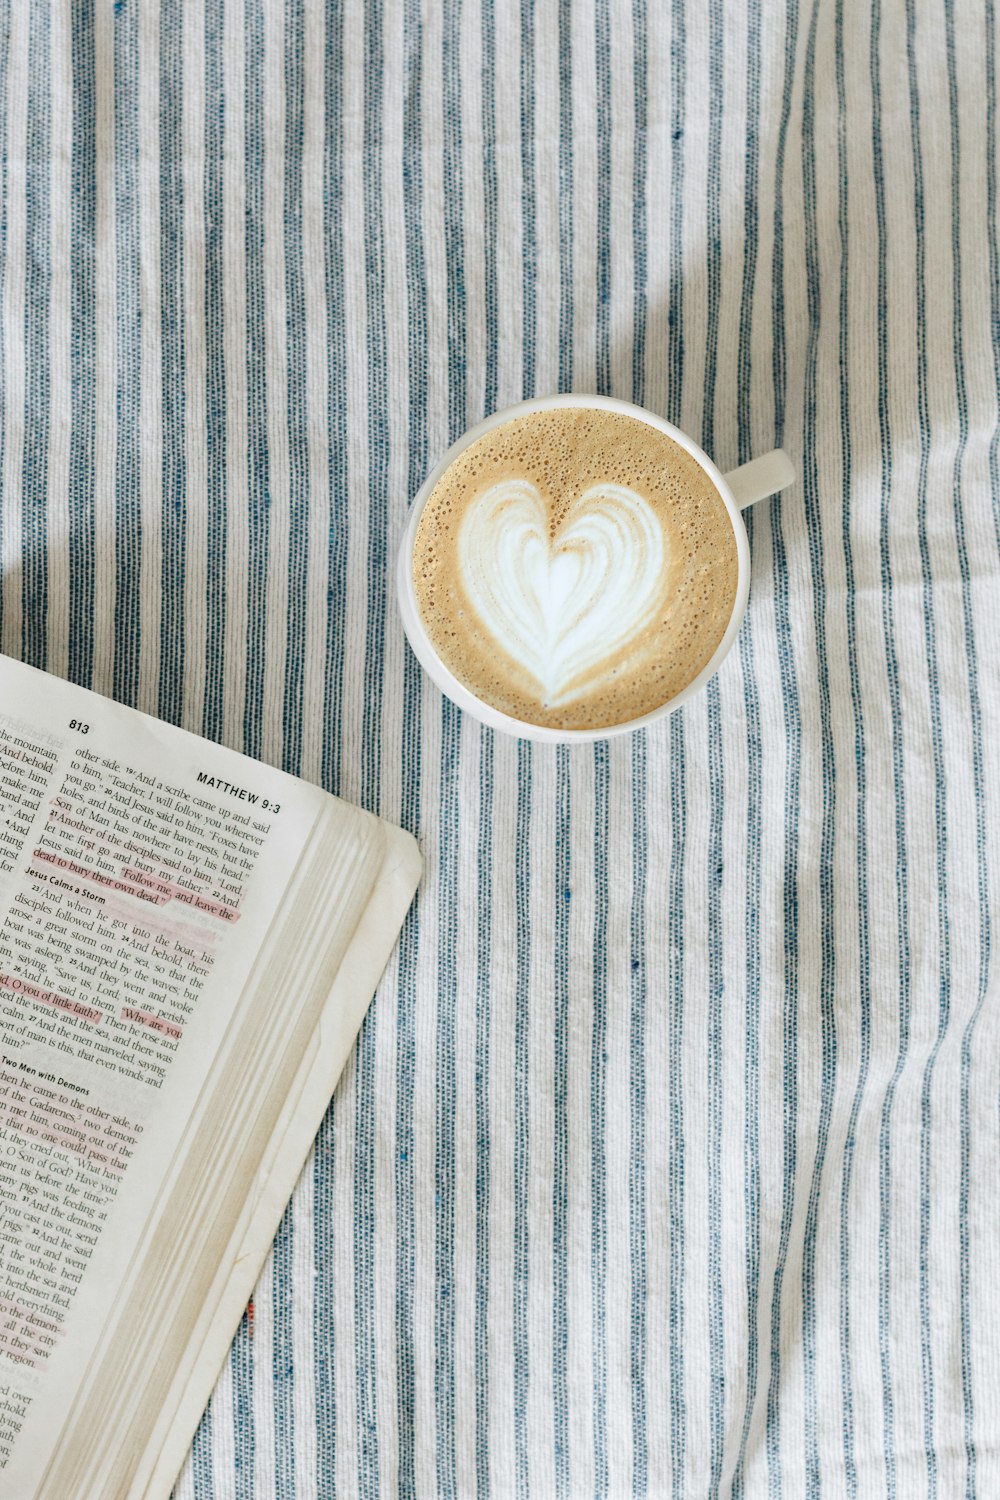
x,y
667,1162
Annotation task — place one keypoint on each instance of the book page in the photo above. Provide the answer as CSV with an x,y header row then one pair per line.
x,y
140,871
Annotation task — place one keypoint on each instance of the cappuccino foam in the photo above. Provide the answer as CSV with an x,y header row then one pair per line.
x,y
575,568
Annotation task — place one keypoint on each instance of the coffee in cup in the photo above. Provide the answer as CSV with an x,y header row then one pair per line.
x,y
575,568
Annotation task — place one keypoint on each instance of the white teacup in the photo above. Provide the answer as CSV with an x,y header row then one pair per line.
x,y
738,489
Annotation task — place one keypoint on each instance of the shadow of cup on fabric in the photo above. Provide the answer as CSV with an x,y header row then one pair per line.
x,y
733,355
729,335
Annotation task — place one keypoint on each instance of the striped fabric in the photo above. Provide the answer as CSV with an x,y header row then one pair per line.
x,y
667,1162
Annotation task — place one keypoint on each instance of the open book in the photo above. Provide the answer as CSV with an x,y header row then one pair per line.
x,y
189,943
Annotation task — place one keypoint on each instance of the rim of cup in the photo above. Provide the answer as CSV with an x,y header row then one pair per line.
x,y
456,690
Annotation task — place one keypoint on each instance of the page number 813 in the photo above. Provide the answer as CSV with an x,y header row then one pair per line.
x,y
79,726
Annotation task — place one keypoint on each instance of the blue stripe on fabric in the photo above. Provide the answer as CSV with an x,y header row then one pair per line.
x,y
989,15
714,871
790,976
754,819
336,397
283,1280
484,948
560,1123
403,1185
937,752
861,815
675,1096
201,1453
751,1061
241,1371
522,1152
484,853
978,774
675,288
827,893
128,508
83,232
458,320
638,1287
173,466
490,217
522,1118
792,718
37,294
779,358
294,707
258,498
602,56
406,1012
366,1120
454,199
216,602
678,816
902,871
565,196
751,234
451,761
640,189
602,798
638,1335
529,234
990,95
325,1184
412,805
378,446
324,1296
714,1082
713,220
446,1088
366,1113
598,1116
563,842
366,1103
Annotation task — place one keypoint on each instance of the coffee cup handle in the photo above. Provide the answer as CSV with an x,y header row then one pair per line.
x,y
760,477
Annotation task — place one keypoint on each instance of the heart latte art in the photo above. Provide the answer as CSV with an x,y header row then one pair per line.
x,y
562,607
574,568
